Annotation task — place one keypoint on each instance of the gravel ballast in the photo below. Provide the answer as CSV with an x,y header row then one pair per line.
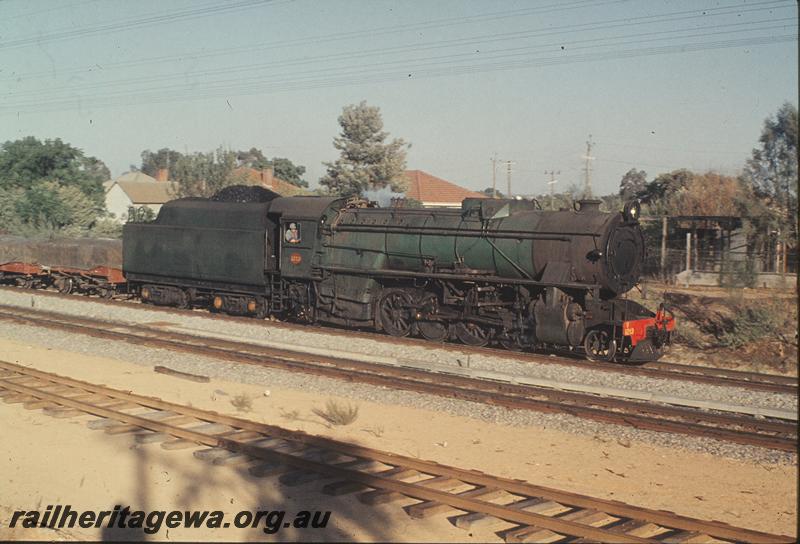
x,y
297,338
267,377
270,377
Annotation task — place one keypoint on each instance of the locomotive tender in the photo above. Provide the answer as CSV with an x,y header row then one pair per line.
x,y
496,270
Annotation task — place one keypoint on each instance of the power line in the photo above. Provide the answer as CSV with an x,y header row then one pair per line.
x,y
544,31
72,33
500,54
48,10
507,52
236,88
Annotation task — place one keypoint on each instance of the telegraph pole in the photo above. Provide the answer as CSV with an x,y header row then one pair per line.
x,y
587,190
552,184
494,175
508,174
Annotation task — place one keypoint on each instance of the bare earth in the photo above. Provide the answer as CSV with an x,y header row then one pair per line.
x,y
60,461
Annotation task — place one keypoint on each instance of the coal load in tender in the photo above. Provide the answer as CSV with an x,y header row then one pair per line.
x,y
83,253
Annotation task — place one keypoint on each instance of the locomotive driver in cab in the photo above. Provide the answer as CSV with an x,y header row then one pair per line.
x,y
292,235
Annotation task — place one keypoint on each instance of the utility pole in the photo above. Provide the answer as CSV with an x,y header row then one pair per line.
x,y
508,174
587,190
494,175
552,184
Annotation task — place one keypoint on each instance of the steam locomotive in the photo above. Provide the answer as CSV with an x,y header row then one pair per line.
x,y
494,271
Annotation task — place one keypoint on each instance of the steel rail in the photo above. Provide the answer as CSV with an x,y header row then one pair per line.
x,y
641,415
115,406
657,370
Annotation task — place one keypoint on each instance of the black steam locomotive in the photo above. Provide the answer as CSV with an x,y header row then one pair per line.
x,y
500,271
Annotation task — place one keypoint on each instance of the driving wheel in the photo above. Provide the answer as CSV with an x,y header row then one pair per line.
x,y
395,310
473,334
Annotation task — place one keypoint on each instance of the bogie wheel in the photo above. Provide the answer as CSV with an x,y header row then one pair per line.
x,y
599,345
65,285
105,292
473,334
395,311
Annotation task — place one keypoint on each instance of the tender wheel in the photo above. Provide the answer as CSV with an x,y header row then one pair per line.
x,y
473,334
599,345
395,310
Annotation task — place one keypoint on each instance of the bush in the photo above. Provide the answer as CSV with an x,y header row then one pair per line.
x,y
338,414
751,323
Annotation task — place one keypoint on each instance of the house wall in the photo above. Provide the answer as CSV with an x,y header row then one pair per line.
x,y
441,204
117,202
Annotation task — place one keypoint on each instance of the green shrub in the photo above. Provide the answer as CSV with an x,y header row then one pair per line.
x,y
750,323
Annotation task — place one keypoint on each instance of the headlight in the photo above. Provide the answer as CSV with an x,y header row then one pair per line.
x,y
632,210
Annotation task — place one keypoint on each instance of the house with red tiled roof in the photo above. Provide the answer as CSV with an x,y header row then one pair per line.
x,y
435,191
137,190
266,178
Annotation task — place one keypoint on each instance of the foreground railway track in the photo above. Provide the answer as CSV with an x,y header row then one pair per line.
x,y
742,429
519,511
658,369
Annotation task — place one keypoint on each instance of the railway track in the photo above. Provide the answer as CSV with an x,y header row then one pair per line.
x,y
742,429
517,510
658,369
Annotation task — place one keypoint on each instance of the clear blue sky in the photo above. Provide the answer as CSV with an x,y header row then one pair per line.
x,y
658,84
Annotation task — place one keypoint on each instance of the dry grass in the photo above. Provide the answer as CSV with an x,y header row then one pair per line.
x,y
337,413
377,431
243,403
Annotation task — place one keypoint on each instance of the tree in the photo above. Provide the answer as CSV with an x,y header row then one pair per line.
x,y
47,206
710,194
489,192
662,194
772,169
632,183
164,158
27,162
203,174
367,161
281,167
289,172
253,159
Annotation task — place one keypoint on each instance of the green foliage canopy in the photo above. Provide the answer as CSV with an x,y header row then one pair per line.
x,y
203,174
772,169
49,187
164,158
632,183
367,160
27,162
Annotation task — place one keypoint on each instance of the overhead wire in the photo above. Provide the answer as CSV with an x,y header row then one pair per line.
x,y
545,31
355,78
350,55
80,32
339,36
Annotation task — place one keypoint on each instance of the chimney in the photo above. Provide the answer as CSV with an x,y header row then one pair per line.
x,y
267,177
162,174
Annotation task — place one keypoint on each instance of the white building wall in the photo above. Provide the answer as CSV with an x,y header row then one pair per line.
x,y
117,202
